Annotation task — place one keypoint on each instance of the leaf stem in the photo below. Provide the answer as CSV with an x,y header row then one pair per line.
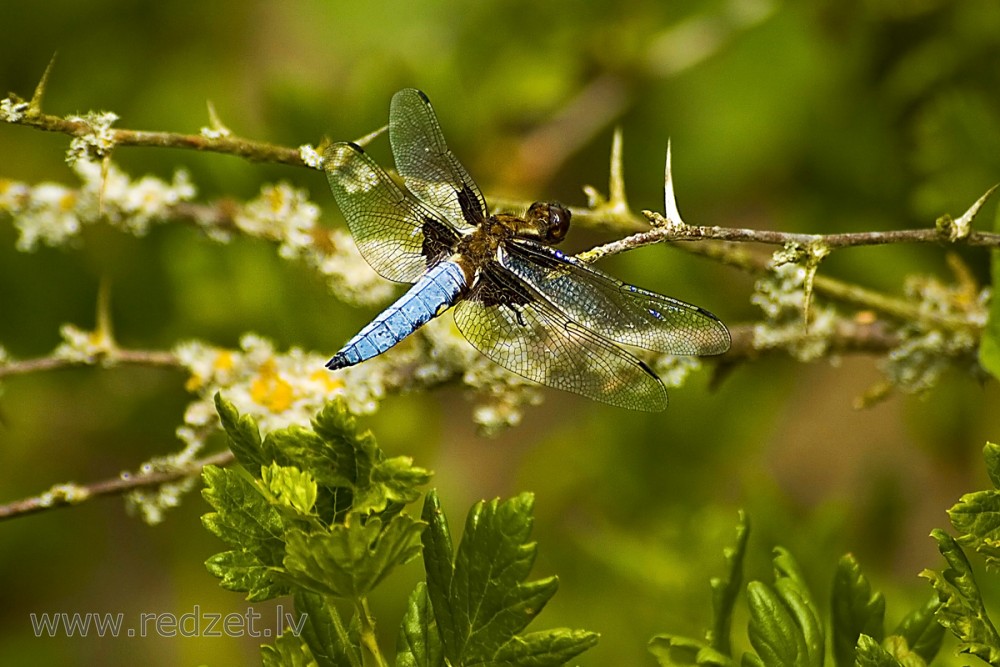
x,y
373,656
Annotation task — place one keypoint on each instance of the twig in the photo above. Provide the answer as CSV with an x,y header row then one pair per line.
x,y
72,494
848,337
155,358
258,151
769,237
612,214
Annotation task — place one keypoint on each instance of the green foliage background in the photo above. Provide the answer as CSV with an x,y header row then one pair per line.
x,y
818,116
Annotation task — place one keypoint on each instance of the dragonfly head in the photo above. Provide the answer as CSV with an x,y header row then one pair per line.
x,y
550,219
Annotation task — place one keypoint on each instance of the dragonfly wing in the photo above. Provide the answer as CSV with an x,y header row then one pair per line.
x,y
613,309
518,328
398,235
428,168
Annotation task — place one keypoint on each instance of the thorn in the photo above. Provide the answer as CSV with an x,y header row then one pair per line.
x,y
371,136
103,336
958,229
35,106
104,307
670,210
616,179
215,123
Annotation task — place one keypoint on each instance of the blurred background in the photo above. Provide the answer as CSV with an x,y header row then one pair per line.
x,y
823,116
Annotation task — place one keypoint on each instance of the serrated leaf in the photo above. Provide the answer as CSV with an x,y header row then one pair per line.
x,y
244,438
962,610
339,457
991,452
871,654
977,517
856,610
246,521
439,565
290,487
482,602
490,602
349,560
726,589
791,588
245,572
397,479
287,651
330,643
900,650
675,651
419,643
989,344
548,648
774,633
923,634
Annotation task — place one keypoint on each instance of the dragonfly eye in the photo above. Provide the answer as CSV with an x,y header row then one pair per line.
x,y
552,218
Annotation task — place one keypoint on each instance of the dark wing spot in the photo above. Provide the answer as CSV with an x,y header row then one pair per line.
x,y
494,291
472,211
439,241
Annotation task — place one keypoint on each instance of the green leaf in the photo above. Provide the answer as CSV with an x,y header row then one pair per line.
x,y
287,651
482,602
977,517
774,634
244,572
791,587
962,610
350,559
871,654
856,610
785,628
243,519
548,648
490,601
438,563
244,438
419,643
329,642
923,634
339,457
726,589
991,453
675,651
290,487
989,344
900,650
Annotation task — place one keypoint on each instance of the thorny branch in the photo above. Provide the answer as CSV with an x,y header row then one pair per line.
x,y
719,243
65,495
613,212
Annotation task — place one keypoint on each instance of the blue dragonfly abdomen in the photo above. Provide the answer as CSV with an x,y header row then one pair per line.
x,y
432,294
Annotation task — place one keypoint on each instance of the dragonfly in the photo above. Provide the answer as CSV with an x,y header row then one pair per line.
x,y
528,306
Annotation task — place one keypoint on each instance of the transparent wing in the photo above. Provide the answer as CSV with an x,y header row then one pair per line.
x,y
517,328
613,309
396,234
427,167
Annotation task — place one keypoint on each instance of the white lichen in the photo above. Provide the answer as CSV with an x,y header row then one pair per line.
x,y
782,296
311,156
82,347
99,140
12,111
